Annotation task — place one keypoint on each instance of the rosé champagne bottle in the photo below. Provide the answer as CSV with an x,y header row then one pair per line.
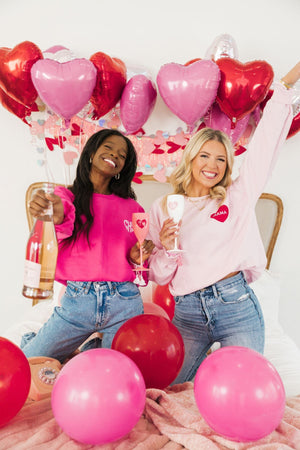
x,y
41,255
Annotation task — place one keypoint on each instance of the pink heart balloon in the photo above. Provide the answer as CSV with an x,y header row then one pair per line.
x,y
137,102
189,90
218,120
64,87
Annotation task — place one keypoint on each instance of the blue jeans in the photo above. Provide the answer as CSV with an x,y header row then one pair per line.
x,y
227,312
86,307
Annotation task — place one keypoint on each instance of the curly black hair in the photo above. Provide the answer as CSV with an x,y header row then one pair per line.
x,y
83,188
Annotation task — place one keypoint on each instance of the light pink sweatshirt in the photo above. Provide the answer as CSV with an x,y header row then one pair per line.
x,y
111,238
222,239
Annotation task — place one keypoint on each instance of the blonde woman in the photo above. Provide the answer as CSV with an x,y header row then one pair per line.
x,y
219,235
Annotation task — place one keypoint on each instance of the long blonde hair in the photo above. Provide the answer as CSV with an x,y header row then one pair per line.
x,y
181,177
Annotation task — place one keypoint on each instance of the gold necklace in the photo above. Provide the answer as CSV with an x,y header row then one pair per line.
x,y
196,202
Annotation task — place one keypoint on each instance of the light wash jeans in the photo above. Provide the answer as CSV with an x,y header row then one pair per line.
x,y
227,312
86,307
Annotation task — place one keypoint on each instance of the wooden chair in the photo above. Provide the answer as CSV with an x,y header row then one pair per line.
x,y
269,210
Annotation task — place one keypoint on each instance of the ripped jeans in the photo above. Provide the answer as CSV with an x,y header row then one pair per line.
x,y
227,312
86,307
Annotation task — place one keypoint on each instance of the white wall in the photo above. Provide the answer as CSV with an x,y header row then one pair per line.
x,y
148,34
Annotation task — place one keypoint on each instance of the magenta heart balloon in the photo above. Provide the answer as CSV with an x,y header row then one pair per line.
x,y
189,90
137,102
64,87
218,120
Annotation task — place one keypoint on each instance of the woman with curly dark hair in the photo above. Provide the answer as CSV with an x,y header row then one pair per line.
x,y
97,248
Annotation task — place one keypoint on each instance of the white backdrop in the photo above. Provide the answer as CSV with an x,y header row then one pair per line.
x,y
148,34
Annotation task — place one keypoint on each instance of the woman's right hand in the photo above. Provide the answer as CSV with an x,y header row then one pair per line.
x,y
168,233
40,202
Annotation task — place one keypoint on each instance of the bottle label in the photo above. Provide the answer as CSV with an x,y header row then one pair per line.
x,y
32,273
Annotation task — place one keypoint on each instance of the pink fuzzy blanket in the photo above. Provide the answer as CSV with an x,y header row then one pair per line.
x,y
171,421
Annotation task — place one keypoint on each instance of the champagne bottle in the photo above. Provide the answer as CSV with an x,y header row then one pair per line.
x,y
41,255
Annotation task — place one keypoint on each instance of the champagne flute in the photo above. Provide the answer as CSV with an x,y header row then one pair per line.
x,y
140,225
175,206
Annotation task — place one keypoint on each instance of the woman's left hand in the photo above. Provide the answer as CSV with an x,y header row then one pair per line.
x,y
147,248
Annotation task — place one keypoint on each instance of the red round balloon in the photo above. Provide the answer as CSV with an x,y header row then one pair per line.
x,y
15,71
155,345
111,80
152,308
163,297
15,379
242,86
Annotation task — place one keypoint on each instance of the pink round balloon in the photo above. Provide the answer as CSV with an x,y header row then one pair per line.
x,y
98,396
64,87
216,119
189,90
239,393
152,308
137,102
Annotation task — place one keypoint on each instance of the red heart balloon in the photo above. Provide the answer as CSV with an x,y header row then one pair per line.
x,y
295,126
14,107
111,80
15,67
242,86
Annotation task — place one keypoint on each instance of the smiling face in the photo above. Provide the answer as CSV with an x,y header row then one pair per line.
x,y
110,157
208,168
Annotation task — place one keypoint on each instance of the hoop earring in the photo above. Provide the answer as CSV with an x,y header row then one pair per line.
x,y
91,160
117,176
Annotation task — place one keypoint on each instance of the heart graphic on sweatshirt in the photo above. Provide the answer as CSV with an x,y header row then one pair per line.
x,y
141,223
222,214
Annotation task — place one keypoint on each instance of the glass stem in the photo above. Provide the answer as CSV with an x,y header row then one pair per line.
x,y
141,255
176,244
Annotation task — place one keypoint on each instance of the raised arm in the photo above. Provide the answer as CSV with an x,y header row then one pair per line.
x,y
292,76
268,137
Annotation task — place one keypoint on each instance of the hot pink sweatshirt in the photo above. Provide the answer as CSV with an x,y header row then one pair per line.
x,y
111,238
222,239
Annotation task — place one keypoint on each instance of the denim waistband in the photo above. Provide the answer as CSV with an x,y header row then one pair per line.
x,y
226,282
98,285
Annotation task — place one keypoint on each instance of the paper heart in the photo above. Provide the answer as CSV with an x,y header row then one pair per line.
x,y
189,90
242,86
160,175
111,80
222,214
173,147
137,102
15,71
69,157
141,223
64,87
